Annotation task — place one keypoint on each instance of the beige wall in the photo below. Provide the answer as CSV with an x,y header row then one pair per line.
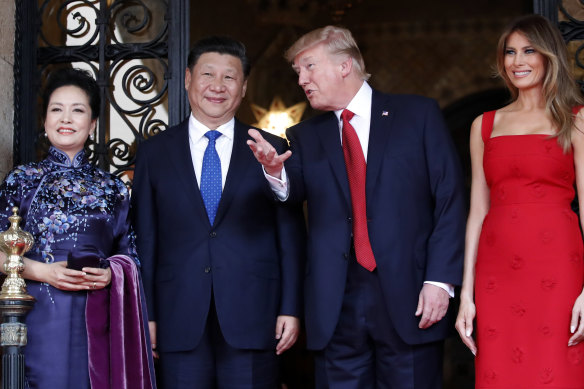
x,y
7,83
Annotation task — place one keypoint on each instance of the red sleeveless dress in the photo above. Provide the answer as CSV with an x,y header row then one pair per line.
x,y
530,266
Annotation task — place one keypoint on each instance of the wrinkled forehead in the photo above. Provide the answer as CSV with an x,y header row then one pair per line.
x,y
308,55
302,59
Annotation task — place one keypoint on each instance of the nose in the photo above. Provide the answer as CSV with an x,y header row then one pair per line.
x,y
302,78
217,84
66,117
518,59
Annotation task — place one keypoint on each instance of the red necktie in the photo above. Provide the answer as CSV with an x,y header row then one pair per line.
x,y
356,171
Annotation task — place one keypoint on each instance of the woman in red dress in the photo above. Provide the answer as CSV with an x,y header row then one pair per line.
x,y
524,258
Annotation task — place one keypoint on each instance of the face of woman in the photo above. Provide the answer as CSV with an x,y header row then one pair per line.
x,y
68,123
524,65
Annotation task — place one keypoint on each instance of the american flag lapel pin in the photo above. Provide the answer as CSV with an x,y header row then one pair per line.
x,y
384,113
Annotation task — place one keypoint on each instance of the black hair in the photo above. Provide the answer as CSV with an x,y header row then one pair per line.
x,y
221,45
72,77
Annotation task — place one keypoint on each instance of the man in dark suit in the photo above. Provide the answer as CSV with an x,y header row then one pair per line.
x,y
221,258
386,220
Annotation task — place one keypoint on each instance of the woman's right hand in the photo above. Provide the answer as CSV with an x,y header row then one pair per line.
x,y
464,323
58,275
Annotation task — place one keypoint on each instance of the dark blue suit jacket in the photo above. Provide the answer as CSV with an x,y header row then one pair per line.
x,y
415,208
250,259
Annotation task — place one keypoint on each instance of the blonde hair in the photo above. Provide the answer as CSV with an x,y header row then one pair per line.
x,y
560,91
338,40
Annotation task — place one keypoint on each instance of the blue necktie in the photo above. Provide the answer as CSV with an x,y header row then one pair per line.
x,y
211,176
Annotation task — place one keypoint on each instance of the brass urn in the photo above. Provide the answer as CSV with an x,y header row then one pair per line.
x,y
14,242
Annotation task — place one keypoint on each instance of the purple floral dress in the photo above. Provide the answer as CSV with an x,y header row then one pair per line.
x,y
68,207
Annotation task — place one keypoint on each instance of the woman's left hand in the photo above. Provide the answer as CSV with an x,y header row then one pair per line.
x,y
97,278
577,323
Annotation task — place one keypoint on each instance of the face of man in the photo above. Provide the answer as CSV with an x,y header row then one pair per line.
x,y
215,87
322,77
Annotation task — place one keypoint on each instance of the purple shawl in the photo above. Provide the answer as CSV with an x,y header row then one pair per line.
x,y
117,331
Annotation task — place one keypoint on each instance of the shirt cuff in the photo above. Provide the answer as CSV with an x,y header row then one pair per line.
x,y
278,186
447,287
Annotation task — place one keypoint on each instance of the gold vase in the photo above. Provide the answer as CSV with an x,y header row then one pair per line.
x,y
14,242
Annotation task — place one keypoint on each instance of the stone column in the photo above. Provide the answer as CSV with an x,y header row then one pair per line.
x,y
7,84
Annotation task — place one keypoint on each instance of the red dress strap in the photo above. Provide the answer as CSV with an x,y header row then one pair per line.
x,y
577,109
487,124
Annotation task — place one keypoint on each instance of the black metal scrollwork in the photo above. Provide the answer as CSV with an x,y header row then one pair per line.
x,y
573,30
58,13
125,44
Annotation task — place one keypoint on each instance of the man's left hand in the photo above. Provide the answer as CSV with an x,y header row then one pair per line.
x,y
287,328
432,305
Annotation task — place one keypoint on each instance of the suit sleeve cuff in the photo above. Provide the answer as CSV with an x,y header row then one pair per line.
x,y
279,186
447,287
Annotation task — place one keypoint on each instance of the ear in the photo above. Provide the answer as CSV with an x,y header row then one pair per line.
x,y
346,66
187,78
92,126
244,89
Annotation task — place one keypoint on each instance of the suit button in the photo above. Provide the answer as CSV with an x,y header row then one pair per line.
x,y
208,269
213,234
349,219
346,256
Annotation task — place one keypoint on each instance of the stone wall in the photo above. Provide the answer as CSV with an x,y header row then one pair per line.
x,y
7,82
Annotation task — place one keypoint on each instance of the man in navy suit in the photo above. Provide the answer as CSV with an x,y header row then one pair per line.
x,y
386,218
221,257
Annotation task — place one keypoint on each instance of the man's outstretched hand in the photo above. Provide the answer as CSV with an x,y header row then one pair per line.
x,y
266,154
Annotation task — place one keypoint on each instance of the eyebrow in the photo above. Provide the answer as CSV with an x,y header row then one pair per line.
x,y
302,61
523,48
215,66
74,104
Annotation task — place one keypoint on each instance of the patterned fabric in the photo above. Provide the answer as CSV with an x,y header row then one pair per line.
x,y
211,176
68,207
357,171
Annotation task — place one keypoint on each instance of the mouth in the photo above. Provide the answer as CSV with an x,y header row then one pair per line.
x,y
215,100
522,73
309,92
65,131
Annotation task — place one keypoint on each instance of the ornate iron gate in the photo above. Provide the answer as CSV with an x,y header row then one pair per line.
x,y
137,51
568,16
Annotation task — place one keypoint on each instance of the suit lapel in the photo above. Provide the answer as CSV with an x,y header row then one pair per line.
x,y
380,128
241,156
330,138
179,152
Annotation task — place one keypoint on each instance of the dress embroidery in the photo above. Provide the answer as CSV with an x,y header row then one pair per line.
x,y
69,206
62,201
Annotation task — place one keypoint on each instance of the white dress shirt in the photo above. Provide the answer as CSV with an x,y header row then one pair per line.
x,y
361,122
198,143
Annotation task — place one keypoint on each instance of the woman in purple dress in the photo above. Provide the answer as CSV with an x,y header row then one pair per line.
x,y
73,210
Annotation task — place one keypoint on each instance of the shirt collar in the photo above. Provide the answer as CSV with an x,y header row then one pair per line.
x,y
360,105
198,130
